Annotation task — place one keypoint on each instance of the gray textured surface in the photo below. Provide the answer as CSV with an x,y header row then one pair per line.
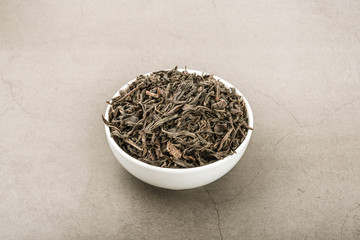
x,y
297,63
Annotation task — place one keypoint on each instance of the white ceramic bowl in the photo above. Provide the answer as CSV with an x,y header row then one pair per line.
x,y
178,179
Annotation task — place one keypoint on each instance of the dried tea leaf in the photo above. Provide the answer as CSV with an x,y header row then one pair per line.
x,y
173,150
219,128
219,105
154,95
129,141
225,138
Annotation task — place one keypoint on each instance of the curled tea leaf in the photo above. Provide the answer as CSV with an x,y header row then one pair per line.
x,y
173,150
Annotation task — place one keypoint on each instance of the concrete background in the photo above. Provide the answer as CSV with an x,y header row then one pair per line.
x,y
297,62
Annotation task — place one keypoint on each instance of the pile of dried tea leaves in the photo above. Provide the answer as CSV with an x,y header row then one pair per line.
x,y
176,119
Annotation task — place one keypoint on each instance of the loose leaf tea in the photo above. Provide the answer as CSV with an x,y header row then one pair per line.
x,y
176,119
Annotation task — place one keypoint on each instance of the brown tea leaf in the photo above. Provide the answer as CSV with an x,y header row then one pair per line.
x,y
219,105
154,95
225,138
219,128
173,150
183,163
129,141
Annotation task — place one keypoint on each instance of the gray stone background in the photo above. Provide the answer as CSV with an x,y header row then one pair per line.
x,y
297,62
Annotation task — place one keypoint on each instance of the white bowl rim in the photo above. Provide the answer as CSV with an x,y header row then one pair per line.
x,y
182,170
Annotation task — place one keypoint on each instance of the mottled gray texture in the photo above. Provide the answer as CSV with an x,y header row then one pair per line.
x,y
297,62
